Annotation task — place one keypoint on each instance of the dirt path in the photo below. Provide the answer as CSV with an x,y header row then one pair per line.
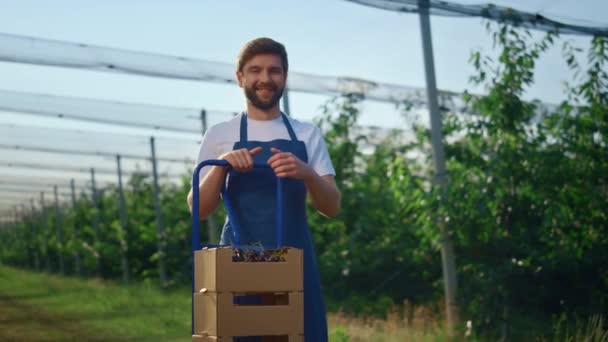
x,y
20,321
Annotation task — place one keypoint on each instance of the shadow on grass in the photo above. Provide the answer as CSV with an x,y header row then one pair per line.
x,y
32,323
28,296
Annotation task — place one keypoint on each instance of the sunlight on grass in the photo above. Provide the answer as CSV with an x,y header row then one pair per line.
x,y
142,312
128,312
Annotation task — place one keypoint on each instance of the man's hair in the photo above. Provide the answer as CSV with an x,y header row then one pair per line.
x,y
261,46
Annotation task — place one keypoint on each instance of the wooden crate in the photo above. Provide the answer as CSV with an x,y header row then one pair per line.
x,y
215,271
215,314
218,280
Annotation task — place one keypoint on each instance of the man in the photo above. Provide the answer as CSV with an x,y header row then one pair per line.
x,y
294,150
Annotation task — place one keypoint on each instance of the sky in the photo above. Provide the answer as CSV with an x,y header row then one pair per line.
x,y
323,37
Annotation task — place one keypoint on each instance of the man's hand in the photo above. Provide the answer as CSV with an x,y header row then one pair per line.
x,y
241,160
285,164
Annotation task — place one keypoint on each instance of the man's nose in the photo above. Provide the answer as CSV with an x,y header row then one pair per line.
x,y
266,76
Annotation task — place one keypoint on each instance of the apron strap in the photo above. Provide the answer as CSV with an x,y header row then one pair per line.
x,y
243,128
292,134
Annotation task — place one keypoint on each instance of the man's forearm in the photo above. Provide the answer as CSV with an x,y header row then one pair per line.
x,y
209,191
324,194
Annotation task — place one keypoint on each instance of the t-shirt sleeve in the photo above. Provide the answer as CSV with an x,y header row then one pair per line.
x,y
207,150
319,159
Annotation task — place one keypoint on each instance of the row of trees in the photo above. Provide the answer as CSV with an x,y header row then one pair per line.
x,y
88,238
525,204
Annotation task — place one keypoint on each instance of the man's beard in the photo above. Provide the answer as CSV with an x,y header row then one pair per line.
x,y
250,93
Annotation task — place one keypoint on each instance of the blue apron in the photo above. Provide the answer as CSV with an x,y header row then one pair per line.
x,y
253,198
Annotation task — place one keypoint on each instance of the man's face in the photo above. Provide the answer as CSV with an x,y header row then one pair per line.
x,y
263,80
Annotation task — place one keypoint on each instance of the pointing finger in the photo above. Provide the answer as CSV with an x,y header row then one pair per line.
x,y
255,150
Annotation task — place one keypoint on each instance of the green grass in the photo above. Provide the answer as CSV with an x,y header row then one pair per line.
x,y
46,307
351,329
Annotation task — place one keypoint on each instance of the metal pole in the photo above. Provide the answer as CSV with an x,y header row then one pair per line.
x,y
45,243
28,236
447,250
211,230
16,231
96,223
24,232
35,237
75,232
123,224
29,262
211,226
159,225
204,120
58,232
286,101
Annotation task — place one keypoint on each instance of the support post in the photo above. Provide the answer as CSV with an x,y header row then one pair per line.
x,y
35,240
58,232
159,224
45,244
124,245
447,249
286,101
76,232
96,242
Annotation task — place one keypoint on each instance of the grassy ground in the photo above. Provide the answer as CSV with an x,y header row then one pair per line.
x,y
393,329
43,307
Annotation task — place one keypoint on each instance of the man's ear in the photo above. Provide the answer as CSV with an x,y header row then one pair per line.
x,y
239,78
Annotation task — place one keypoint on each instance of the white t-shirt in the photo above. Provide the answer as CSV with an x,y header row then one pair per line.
x,y
220,139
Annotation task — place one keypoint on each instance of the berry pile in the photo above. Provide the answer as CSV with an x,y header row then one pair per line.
x,y
258,254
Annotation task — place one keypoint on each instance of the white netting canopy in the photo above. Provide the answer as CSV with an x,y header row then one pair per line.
x,y
111,112
532,20
38,153
31,50
48,52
